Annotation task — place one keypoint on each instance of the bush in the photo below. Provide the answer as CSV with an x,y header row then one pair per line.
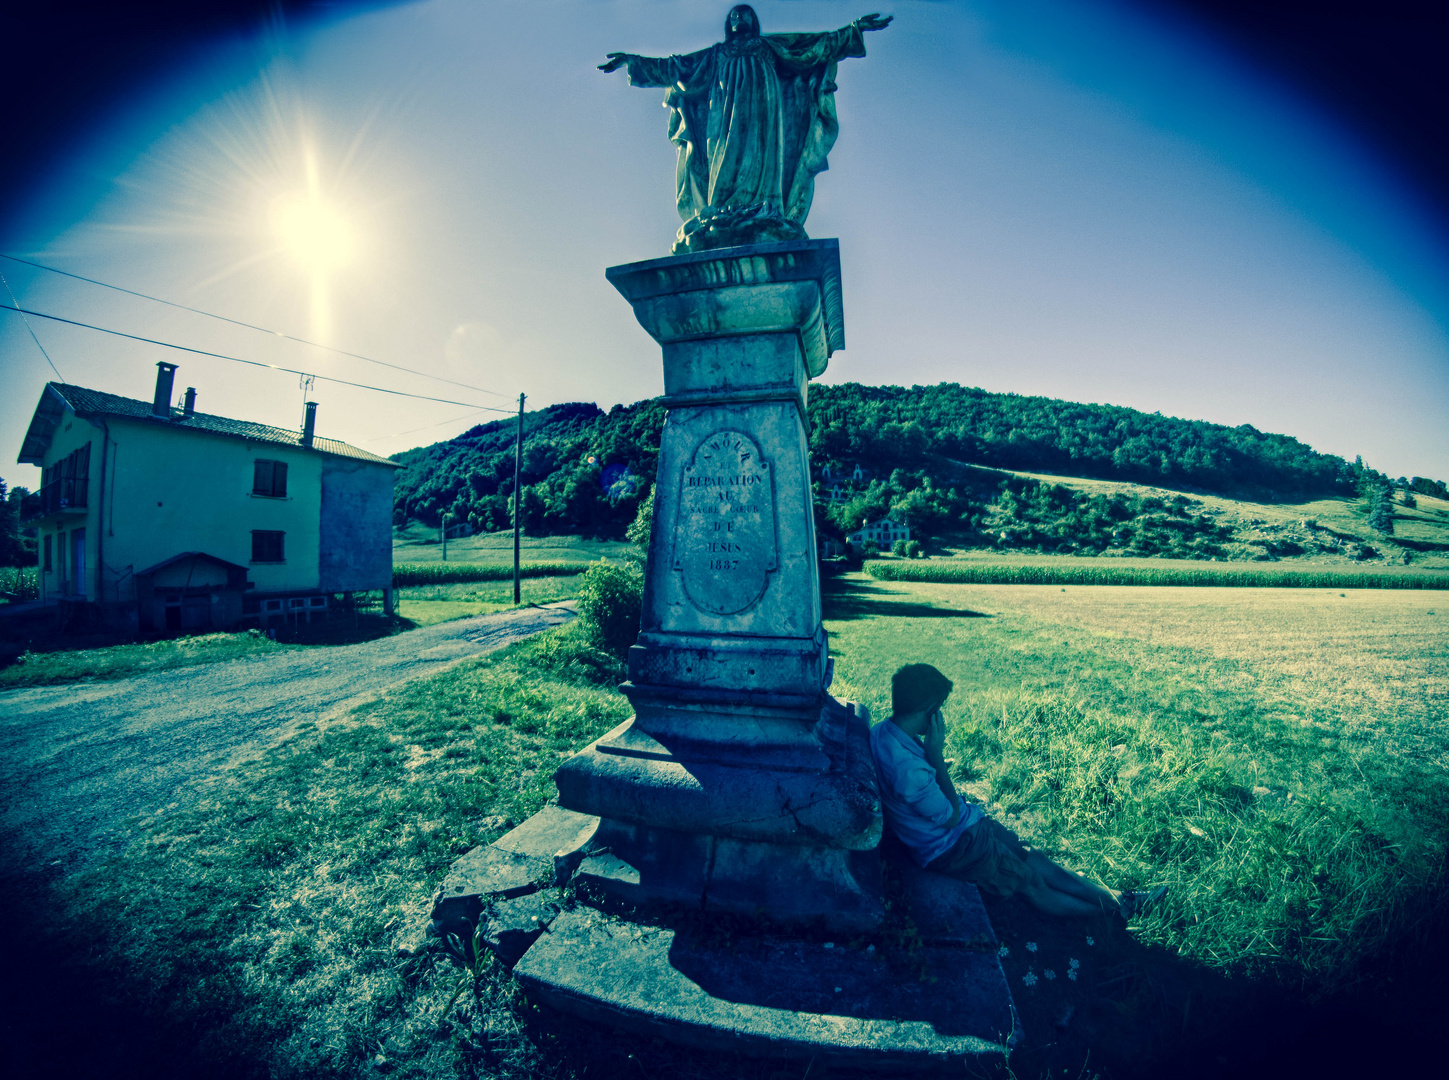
x,y
898,548
610,600
639,529
911,548
21,583
1409,500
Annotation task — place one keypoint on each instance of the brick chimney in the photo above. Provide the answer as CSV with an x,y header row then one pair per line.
x,y
309,423
190,406
161,405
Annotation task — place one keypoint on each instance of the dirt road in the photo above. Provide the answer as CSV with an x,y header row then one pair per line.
x,y
77,761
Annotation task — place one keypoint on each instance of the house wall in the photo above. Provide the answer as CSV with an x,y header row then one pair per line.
x,y
355,525
72,434
170,491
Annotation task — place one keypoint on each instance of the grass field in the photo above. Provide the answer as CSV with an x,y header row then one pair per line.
x,y
1277,757
118,661
418,544
424,605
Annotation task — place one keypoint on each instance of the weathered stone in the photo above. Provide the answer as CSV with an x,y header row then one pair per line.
x,y
534,854
642,867
480,875
515,924
551,834
771,996
945,911
633,777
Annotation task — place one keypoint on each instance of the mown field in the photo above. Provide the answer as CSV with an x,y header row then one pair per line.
x,y
1276,756
419,544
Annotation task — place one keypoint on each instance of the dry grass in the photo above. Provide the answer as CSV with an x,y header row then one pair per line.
x,y
1278,756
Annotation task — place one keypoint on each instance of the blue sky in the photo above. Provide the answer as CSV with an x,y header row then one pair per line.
x,y
1068,198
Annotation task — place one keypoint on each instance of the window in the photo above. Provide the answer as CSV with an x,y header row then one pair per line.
x,y
267,546
45,548
269,478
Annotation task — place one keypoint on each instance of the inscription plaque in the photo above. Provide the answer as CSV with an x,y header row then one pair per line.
x,y
725,543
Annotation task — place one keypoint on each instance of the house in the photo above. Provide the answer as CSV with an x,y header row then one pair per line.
x,y
882,533
170,519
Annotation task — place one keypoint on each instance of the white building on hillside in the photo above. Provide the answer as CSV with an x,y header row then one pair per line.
x,y
882,533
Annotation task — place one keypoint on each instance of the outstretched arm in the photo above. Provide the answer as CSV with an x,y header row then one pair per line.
x,y
651,70
872,22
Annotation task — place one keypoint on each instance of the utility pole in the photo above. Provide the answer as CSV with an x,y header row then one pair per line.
x,y
444,528
517,520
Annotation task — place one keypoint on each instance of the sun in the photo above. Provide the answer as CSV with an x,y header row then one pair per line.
x,y
313,232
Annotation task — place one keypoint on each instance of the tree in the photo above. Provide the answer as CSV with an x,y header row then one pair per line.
x,y
1381,512
15,549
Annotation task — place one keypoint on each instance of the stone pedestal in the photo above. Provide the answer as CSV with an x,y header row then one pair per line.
x,y
739,785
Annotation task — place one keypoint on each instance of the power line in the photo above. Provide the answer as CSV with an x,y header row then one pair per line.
x,y
425,427
33,338
253,363
238,322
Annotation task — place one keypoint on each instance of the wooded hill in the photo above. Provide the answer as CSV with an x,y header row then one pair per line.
x,y
930,455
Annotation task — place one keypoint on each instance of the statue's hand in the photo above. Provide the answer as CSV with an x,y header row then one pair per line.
x,y
615,62
874,22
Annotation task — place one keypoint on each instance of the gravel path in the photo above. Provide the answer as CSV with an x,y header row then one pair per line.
x,y
77,761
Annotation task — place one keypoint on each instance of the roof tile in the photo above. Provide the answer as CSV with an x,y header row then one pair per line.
x,y
98,403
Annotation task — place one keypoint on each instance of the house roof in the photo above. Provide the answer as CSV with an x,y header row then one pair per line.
x,y
164,563
87,403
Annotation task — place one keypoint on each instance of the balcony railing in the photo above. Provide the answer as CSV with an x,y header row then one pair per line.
x,y
58,496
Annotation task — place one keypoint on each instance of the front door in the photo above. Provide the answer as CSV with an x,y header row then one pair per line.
x,y
78,562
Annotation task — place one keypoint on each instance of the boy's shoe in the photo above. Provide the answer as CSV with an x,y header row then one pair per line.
x,y
1133,903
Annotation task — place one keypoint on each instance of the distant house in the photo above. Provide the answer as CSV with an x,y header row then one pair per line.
x,y
883,533
173,520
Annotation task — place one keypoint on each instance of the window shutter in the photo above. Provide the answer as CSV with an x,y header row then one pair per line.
x,y
262,478
279,478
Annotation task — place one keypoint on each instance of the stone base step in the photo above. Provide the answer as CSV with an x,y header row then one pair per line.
x,y
773,996
724,985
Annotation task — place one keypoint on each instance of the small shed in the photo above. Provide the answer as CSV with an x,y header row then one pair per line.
x,y
191,592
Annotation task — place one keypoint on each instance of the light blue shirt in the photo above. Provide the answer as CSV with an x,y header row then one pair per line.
x,y
915,807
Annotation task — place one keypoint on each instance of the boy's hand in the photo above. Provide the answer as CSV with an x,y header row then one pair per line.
x,y
935,740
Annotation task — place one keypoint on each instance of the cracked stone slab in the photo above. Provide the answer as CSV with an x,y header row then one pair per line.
x,y
515,924
540,853
773,996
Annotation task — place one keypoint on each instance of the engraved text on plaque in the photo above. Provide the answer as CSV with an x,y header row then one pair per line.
x,y
725,544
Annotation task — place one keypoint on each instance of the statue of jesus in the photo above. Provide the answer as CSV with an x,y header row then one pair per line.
x,y
754,118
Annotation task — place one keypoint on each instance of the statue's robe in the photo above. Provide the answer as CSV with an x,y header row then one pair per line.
x,y
753,118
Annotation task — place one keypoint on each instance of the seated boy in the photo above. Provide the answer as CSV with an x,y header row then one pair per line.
x,y
945,835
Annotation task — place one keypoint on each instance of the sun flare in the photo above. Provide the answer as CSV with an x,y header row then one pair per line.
x,y
313,232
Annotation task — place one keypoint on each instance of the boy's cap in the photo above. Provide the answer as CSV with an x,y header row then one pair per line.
x,y
918,688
